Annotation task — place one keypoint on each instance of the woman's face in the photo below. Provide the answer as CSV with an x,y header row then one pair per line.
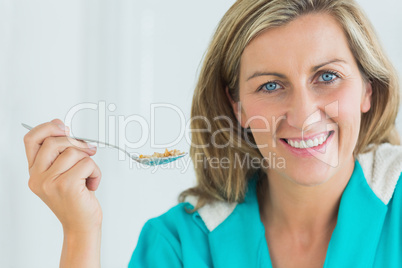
x,y
300,86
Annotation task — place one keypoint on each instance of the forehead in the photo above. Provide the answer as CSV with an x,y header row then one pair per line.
x,y
305,41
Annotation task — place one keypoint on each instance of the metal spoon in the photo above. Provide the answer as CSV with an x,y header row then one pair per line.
x,y
146,161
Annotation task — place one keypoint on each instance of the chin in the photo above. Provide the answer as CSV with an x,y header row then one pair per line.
x,y
309,175
309,182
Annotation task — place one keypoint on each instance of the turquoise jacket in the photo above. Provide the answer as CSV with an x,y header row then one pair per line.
x,y
367,234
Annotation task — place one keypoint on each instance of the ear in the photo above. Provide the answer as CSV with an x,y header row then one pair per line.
x,y
237,110
366,98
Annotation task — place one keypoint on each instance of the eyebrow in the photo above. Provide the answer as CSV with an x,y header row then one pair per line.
x,y
313,69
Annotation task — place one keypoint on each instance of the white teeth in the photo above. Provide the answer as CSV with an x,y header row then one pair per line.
x,y
297,144
320,140
308,143
303,144
315,142
292,143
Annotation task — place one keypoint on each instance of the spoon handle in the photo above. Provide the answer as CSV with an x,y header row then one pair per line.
x,y
89,140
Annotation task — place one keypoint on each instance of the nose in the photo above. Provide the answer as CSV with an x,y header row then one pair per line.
x,y
303,109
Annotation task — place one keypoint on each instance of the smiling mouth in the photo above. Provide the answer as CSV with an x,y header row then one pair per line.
x,y
308,143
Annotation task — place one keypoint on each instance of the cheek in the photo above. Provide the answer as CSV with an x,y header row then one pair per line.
x,y
262,117
257,114
349,99
349,117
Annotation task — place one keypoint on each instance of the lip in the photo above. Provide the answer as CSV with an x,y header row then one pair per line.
x,y
309,152
310,137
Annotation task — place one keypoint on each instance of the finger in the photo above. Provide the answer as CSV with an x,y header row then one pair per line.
x,y
84,171
57,121
66,160
34,138
52,147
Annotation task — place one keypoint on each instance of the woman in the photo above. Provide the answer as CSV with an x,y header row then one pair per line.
x,y
302,104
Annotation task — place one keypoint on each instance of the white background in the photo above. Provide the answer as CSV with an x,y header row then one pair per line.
x,y
55,55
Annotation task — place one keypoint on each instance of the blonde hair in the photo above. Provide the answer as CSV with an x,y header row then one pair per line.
x,y
220,70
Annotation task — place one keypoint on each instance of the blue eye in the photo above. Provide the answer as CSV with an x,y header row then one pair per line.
x,y
270,87
327,77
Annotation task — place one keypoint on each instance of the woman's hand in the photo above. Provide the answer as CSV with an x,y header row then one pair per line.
x,y
64,176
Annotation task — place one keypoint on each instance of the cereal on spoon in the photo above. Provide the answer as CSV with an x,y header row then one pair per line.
x,y
167,153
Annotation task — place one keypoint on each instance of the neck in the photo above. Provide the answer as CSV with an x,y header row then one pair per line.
x,y
298,210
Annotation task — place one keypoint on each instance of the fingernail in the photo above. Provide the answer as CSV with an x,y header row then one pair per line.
x,y
62,127
92,146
